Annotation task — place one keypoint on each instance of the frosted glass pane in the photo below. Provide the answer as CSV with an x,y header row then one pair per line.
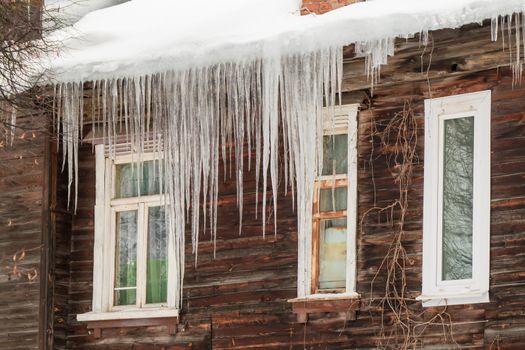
x,y
130,180
332,254
458,170
333,199
126,258
157,275
335,154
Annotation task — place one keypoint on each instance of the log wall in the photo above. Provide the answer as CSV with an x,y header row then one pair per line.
x,y
23,228
238,300
59,256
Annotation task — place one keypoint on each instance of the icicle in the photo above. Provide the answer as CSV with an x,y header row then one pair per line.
x,y
8,113
423,38
198,116
494,29
376,53
522,31
517,67
12,126
509,33
502,25
505,23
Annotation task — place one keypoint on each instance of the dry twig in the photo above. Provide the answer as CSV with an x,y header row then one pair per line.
x,y
402,325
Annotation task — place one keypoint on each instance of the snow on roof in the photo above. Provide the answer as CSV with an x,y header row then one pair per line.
x,y
149,36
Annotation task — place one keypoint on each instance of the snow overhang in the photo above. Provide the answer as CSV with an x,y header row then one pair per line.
x,y
144,37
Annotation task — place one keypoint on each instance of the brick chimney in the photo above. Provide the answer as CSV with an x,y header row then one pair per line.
x,y
322,6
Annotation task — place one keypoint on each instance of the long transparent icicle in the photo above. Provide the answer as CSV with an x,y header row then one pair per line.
x,y
196,117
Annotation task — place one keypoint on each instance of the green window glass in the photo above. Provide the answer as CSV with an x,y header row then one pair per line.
x,y
335,154
134,179
458,175
157,269
126,258
332,254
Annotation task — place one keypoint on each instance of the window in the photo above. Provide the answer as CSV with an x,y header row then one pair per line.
x,y
133,264
332,266
456,228
139,234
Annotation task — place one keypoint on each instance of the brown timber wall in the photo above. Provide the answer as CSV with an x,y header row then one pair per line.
x,y
239,299
247,283
473,326
61,221
23,228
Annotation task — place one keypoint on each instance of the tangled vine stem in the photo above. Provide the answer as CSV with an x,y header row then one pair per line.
x,y
25,28
402,322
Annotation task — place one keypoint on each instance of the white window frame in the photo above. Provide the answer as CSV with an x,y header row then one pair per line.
x,y
106,209
337,120
436,292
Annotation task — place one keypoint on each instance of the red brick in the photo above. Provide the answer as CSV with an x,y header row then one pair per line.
x,y
323,6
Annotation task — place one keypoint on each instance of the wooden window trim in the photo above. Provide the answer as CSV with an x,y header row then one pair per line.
x,y
142,209
475,290
333,182
317,216
127,319
308,248
104,246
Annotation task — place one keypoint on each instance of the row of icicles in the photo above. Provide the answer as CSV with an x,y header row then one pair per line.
x,y
198,117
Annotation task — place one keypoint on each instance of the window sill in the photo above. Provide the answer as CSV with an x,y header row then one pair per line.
x,y
444,299
325,297
344,304
128,314
131,318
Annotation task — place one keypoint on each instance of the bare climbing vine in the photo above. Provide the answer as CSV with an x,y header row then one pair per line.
x,y
401,322
25,28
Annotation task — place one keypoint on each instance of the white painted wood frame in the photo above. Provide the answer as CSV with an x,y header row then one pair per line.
x,y
106,209
344,121
435,291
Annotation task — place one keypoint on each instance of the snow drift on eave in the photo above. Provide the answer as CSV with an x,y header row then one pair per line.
x,y
143,36
201,81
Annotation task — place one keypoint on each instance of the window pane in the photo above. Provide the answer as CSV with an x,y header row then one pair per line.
x,y
335,154
332,254
458,169
157,279
126,258
130,179
333,199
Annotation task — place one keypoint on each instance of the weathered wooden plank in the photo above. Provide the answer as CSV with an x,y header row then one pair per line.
x,y
238,299
22,188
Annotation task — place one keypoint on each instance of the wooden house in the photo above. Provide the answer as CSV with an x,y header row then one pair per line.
x,y
417,243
